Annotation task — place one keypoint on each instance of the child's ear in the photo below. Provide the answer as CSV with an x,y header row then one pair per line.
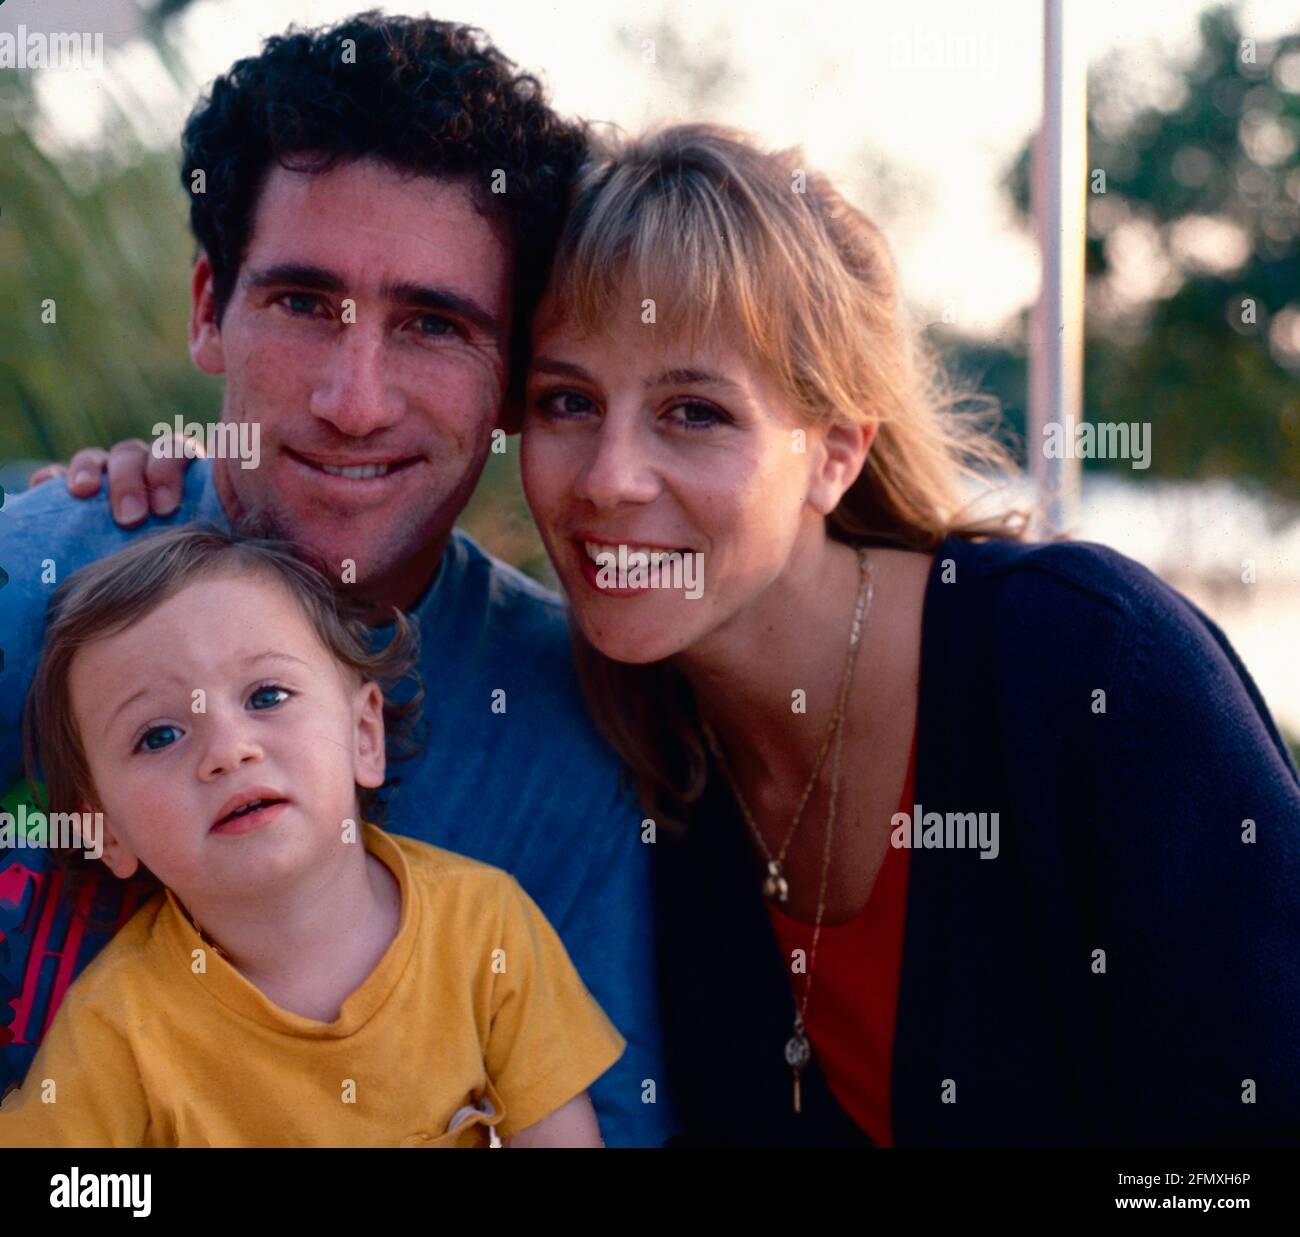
x,y
368,756
118,856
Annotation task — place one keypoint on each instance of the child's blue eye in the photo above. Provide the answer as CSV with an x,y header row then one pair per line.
x,y
263,692
155,738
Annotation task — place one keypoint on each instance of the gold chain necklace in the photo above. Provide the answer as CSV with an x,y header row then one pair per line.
x,y
798,1051
775,884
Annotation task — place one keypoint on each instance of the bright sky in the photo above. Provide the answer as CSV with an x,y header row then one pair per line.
x,y
945,90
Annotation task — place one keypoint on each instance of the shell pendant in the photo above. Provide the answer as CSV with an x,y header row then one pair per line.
x,y
775,885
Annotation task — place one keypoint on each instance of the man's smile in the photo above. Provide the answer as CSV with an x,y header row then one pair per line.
x,y
350,472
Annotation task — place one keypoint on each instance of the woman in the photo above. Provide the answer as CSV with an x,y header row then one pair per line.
x,y
965,840
961,840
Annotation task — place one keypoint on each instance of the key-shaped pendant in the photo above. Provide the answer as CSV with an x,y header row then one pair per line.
x,y
798,1052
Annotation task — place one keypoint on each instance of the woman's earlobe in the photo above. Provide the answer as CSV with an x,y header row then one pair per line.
x,y
845,447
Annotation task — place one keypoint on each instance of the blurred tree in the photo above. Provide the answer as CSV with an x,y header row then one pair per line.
x,y
696,78
94,267
1193,260
164,11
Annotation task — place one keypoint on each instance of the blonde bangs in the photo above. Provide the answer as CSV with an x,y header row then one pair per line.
x,y
671,235
729,240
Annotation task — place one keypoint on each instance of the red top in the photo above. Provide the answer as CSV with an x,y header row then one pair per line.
x,y
850,1016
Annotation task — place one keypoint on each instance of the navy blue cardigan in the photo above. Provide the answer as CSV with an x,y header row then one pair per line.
x,y
1122,831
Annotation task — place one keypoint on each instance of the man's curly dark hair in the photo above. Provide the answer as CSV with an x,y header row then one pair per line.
x,y
429,97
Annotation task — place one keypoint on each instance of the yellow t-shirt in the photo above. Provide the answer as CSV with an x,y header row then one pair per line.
x,y
474,1005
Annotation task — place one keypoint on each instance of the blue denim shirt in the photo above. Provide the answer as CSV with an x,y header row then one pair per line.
x,y
533,789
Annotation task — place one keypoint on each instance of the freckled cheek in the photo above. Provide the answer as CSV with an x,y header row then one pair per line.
x,y
273,374
722,493
459,400
741,506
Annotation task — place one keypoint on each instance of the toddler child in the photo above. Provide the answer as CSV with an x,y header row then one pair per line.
x,y
300,977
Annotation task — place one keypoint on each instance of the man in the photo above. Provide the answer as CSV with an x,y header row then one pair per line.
x,y
375,206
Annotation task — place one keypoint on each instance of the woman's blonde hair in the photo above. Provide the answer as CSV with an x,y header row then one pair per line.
x,y
716,231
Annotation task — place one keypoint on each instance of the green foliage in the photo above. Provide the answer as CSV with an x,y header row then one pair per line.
x,y
1209,166
104,239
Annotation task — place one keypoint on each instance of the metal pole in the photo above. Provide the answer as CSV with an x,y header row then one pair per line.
x,y
1056,332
